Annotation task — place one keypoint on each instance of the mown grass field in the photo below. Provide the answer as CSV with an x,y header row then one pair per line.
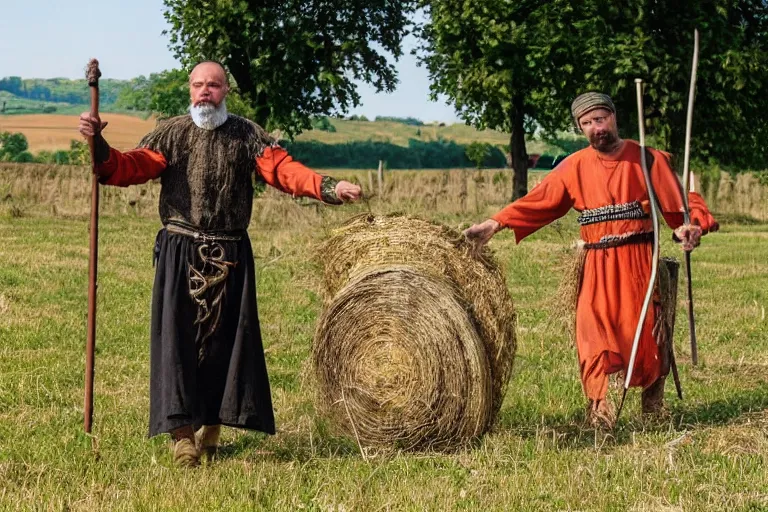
x,y
709,454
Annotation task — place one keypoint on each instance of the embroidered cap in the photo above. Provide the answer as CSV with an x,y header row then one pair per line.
x,y
588,102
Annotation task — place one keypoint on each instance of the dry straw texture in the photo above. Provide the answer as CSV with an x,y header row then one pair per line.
x,y
572,269
416,342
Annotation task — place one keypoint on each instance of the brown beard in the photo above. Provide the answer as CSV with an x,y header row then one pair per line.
x,y
605,142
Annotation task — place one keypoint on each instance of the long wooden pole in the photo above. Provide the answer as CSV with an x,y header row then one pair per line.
x,y
686,183
655,256
92,74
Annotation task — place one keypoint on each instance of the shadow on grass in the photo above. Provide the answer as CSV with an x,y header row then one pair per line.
x,y
564,431
723,411
571,430
561,431
290,446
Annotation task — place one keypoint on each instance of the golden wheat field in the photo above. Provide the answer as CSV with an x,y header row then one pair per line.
x,y
66,190
51,132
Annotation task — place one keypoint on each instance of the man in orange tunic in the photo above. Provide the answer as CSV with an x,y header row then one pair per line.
x,y
605,183
207,365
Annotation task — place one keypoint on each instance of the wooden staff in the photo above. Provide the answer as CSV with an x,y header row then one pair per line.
x,y
656,246
686,210
92,74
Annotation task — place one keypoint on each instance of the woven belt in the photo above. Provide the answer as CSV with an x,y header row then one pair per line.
x,y
182,228
619,240
625,211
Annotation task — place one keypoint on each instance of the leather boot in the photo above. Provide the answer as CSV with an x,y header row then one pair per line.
x,y
653,397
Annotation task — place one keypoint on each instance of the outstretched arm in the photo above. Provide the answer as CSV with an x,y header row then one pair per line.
x,y
548,201
284,173
117,168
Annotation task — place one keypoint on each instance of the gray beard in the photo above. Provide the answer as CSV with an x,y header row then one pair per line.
x,y
209,117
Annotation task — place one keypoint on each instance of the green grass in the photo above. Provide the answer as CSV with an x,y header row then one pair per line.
x,y
709,455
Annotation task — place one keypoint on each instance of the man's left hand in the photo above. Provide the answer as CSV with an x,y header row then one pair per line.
x,y
348,192
689,236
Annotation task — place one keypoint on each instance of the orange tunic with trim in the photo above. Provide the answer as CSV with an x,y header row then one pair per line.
x,y
615,280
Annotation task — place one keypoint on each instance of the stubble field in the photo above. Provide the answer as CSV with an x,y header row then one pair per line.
x,y
709,453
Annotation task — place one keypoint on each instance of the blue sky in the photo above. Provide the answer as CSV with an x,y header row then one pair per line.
x,y
46,39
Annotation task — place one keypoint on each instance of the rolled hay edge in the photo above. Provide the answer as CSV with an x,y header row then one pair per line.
x,y
400,293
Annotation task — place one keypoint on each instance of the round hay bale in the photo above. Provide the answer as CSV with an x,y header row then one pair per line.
x,y
417,338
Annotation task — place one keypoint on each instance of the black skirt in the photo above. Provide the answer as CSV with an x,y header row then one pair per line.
x,y
229,384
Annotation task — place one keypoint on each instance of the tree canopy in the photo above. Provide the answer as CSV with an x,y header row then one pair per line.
x,y
654,40
504,64
294,60
516,65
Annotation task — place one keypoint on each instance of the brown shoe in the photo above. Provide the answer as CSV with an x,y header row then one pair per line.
x,y
207,439
653,397
600,414
185,454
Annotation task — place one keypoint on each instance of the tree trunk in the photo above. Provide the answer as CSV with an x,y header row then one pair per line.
x,y
240,69
517,150
463,191
677,149
262,109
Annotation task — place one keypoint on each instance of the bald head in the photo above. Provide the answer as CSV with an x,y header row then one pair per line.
x,y
208,83
209,67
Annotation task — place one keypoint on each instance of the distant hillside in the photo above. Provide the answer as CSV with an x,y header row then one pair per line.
x,y
11,104
20,97
399,133
52,132
61,90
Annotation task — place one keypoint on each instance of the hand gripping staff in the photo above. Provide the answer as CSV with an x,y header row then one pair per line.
x,y
92,74
655,257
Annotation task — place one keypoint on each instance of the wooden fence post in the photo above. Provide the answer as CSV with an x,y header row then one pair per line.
x,y
380,176
370,182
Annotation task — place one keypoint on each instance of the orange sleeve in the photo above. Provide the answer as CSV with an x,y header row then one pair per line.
x,y
548,201
700,214
131,168
669,190
281,171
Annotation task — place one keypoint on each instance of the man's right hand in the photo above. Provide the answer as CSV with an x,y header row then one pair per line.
x,y
480,234
90,126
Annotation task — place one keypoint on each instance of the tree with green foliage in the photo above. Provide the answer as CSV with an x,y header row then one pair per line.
x,y
514,65
478,152
135,95
25,157
411,121
13,147
654,40
61,157
78,153
503,65
294,59
324,124
169,93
